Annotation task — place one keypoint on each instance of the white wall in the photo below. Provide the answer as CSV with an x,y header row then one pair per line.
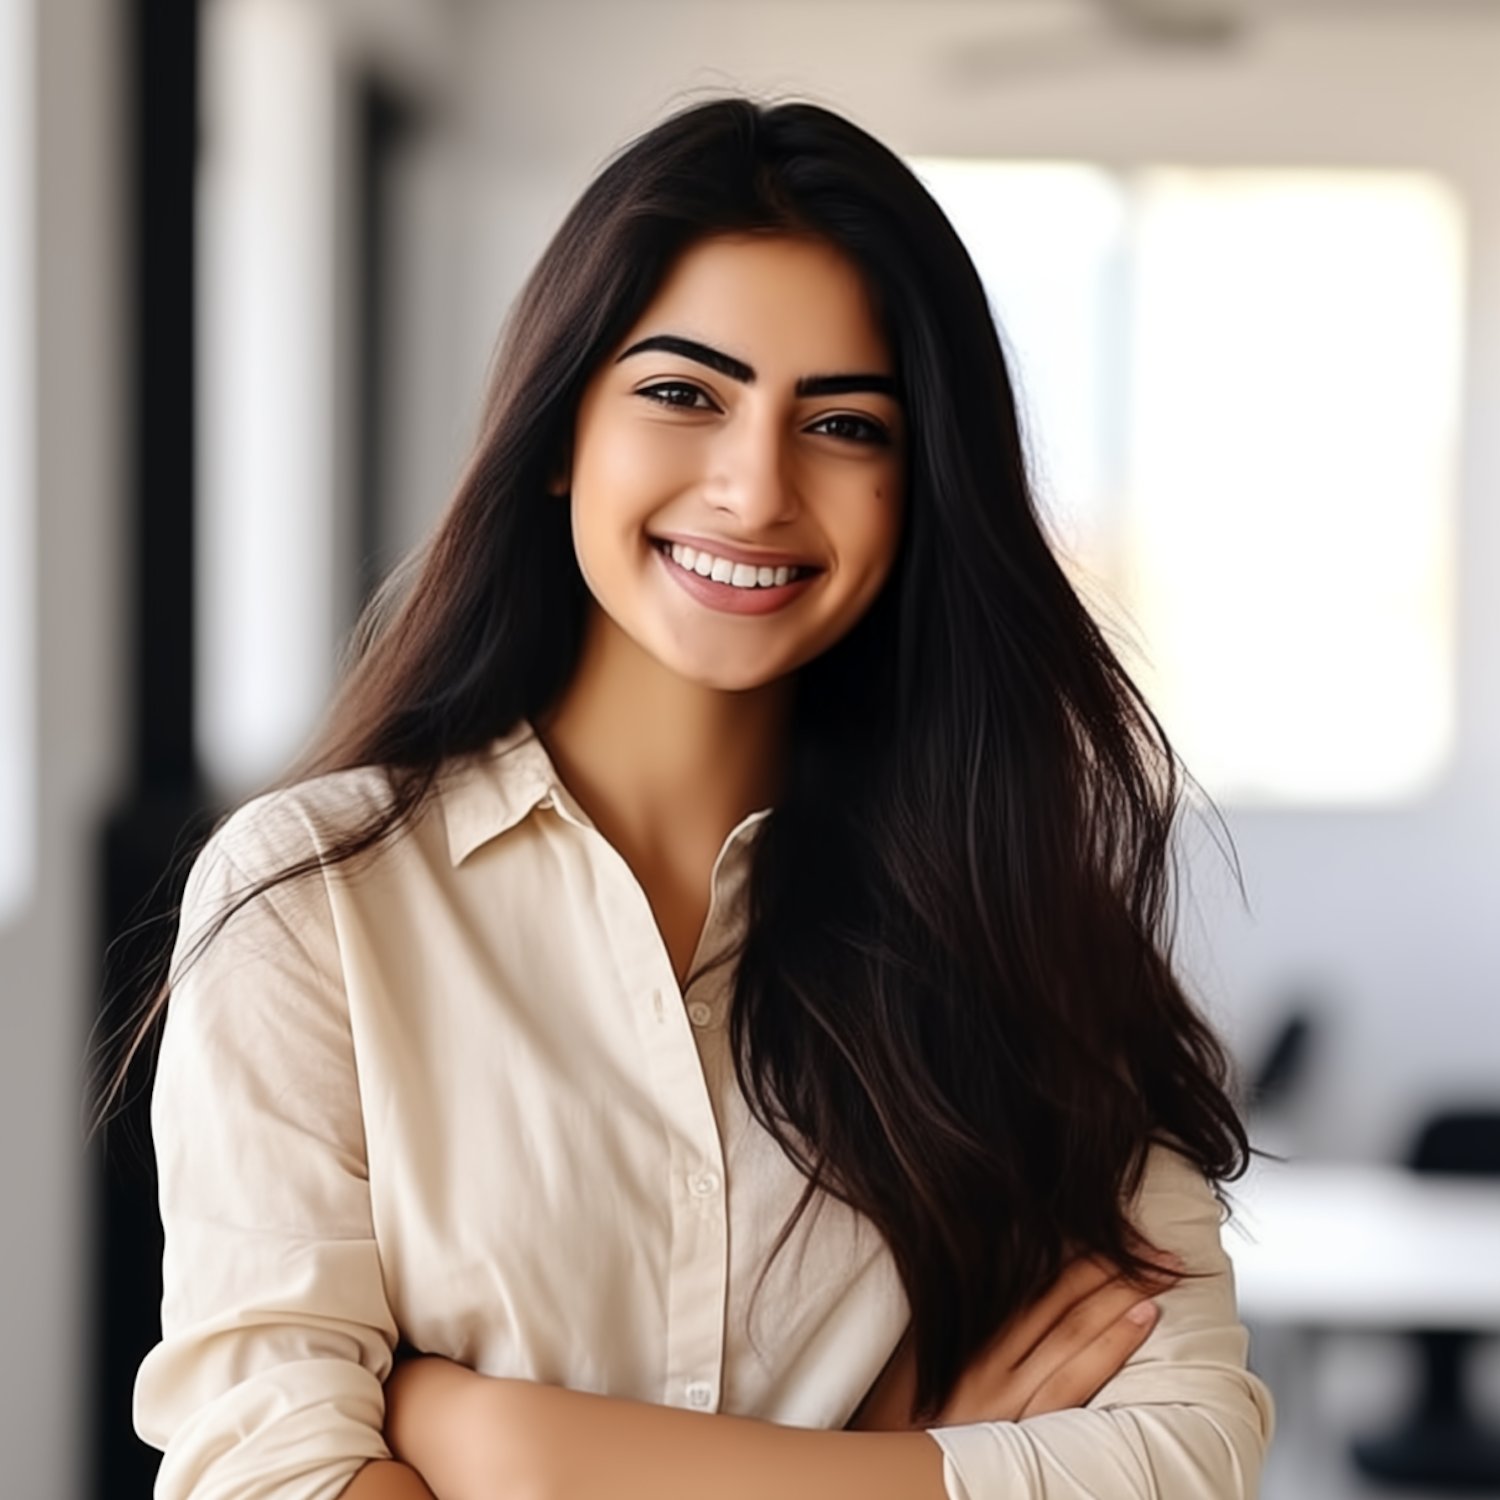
x,y
48,955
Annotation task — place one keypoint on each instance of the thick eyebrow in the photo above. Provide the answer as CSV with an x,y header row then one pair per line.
x,y
737,369
847,385
703,354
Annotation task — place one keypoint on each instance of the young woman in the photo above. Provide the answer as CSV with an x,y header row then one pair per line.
x,y
708,992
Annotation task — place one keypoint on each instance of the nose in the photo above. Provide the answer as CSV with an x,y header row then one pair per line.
x,y
750,477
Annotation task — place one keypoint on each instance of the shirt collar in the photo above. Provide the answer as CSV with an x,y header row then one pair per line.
x,y
488,793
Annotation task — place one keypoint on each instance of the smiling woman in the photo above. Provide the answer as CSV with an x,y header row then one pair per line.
x,y
786,454
708,991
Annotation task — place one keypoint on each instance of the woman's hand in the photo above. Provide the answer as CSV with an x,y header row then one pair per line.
x,y
1054,1355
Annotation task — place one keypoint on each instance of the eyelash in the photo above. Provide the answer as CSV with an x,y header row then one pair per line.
x,y
866,429
849,427
669,392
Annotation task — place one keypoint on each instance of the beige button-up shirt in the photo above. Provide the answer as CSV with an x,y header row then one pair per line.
x,y
456,1095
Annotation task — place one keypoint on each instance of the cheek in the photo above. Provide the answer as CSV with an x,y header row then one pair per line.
x,y
620,480
606,487
873,530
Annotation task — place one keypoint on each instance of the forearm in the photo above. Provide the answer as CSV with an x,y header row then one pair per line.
x,y
481,1439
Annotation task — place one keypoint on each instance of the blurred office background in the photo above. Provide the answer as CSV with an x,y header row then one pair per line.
x,y
253,257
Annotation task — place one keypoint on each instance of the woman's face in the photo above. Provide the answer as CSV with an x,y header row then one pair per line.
x,y
738,463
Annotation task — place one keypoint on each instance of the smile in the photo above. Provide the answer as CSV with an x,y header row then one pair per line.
x,y
738,575
733,586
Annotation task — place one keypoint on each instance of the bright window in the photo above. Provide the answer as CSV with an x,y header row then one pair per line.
x,y
1241,391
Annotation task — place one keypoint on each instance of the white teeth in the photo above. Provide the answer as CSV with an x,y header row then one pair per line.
x,y
725,570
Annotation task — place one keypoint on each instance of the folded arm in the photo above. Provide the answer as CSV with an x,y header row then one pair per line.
x,y
1179,1419
1182,1420
475,1438
534,1442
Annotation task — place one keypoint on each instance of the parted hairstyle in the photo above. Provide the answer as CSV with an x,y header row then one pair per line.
x,y
955,1008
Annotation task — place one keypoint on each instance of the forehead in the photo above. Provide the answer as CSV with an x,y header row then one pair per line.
x,y
783,303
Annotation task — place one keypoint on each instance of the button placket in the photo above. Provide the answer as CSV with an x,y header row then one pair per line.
x,y
698,1260
704,1184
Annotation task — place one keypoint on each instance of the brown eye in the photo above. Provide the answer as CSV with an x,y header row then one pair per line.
x,y
849,427
679,393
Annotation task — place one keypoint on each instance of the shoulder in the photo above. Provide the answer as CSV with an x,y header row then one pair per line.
x,y
298,822
266,865
304,834
472,798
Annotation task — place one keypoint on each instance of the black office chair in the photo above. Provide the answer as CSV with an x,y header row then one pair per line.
x,y
1443,1445
1283,1066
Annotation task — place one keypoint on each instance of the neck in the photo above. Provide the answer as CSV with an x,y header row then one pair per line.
x,y
657,761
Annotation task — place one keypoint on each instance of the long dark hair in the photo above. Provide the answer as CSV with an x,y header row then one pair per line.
x,y
954,1009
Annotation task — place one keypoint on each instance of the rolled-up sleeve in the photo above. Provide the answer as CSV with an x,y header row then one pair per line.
x,y
1184,1419
277,1334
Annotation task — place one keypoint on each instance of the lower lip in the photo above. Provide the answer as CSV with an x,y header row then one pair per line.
x,y
729,600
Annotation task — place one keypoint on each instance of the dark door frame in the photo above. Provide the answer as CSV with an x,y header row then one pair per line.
x,y
162,811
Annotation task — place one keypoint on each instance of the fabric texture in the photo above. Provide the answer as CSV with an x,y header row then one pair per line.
x,y
454,1094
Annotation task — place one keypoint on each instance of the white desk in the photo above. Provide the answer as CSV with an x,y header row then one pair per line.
x,y
1339,1245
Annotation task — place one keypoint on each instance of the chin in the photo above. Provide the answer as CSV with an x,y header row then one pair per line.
x,y
736,682
738,678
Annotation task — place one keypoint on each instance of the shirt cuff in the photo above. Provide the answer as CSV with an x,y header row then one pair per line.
x,y
298,1432
1142,1453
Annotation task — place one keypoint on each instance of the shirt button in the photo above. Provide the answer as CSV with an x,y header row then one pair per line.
x,y
700,1014
704,1185
700,1395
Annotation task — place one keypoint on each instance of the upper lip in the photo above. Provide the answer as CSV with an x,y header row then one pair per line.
x,y
735,551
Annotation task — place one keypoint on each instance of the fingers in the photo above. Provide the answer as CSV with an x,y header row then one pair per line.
x,y
1080,1326
1093,1336
1059,1351
1081,1279
1078,1378
1089,1289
